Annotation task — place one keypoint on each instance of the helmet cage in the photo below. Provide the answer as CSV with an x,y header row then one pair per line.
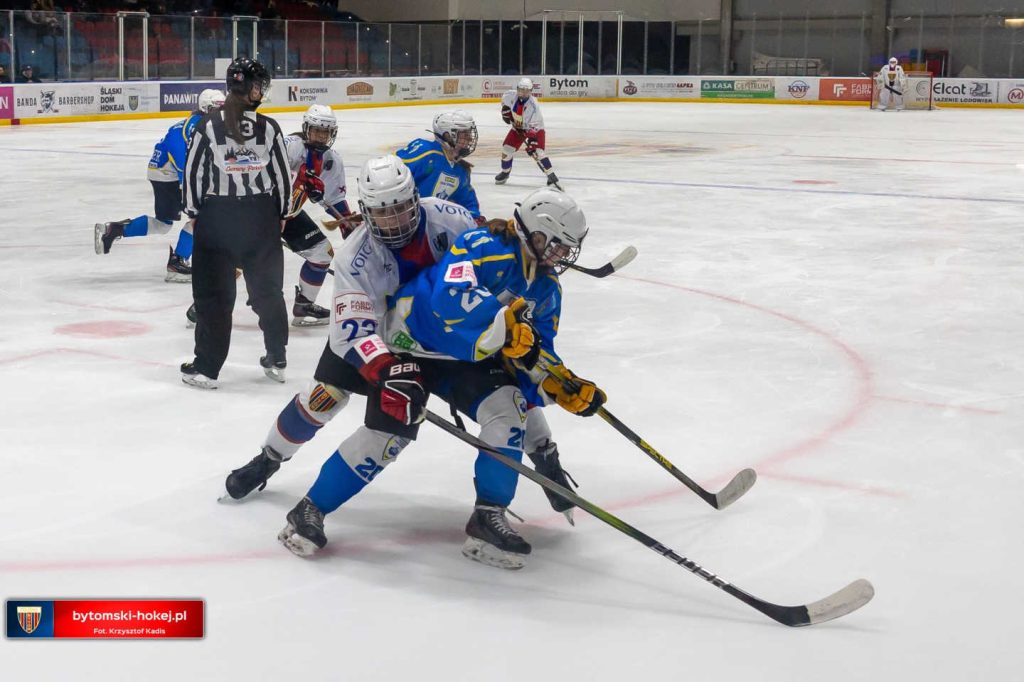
x,y
332,134
393,225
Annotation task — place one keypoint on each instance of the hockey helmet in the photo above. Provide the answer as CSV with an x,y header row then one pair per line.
x,y
389,201
245,74
552,226
457,130
209,100
524,88
320,122
893,62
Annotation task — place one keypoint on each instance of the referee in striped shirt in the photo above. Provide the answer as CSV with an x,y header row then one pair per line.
x,y
236,189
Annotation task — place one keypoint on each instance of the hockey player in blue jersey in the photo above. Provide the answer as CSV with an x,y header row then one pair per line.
x,y
400,235
461,320
166,168
439,167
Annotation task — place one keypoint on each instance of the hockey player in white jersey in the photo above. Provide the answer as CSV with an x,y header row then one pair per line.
x,y
892,83
520,110
402,234
318,174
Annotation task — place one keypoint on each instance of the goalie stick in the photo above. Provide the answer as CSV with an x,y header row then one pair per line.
x,y
849,599
734,490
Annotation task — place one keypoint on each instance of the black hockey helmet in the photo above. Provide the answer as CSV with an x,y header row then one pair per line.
x,y
245,73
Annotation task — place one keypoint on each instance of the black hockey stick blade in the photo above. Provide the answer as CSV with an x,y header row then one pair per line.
x,y
614,265
846,600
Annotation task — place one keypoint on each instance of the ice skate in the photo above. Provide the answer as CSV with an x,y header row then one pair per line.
x,y
304,534
177,269
190,317
308,314
553,180
254,475
193,377
273,367
105,234
492,540
545,462
501,177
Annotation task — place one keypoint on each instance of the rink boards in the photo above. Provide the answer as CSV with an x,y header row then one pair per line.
x,y
69,102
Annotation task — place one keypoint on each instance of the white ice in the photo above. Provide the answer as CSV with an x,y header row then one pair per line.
x,y
829,295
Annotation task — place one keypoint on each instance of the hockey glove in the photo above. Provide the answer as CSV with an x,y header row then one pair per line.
x,y
576,395
531,145
402,395
314,188
506,115
480,221
521,341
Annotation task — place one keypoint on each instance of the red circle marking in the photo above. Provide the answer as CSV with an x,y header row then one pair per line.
x,y
104,329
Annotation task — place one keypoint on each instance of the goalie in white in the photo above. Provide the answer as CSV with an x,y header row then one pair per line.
x,y
892,83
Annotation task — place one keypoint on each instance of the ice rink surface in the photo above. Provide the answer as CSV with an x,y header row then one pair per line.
x,y
829,295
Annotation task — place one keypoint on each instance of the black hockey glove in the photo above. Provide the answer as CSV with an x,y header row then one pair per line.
x,y
402,395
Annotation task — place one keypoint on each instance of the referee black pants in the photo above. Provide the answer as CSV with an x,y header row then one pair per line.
x,y
242,232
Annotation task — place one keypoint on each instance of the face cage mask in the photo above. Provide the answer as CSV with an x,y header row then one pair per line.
x,y
404,217
558,264
319,146
467,147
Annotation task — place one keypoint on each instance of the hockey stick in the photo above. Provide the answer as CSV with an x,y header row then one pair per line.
x,y
849,599
735,489
536,159
616,264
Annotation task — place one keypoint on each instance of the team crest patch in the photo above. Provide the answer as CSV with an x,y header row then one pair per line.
x,y
29,618
393,448
321,400
520,402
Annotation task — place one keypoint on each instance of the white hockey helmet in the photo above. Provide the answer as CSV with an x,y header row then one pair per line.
x,y
893,62
457,130
319,127
524,87
389,201
209,100
552,226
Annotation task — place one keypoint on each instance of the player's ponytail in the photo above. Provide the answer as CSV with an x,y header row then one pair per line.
x,y
235,107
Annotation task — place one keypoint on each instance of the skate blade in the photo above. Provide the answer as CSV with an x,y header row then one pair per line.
x,y
296,544
275,374
97,238
310,322
204,383
569,517
486,553
178,277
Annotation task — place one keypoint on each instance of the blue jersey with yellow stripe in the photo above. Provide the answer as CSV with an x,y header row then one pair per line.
x,y
170,152
435,176
454,303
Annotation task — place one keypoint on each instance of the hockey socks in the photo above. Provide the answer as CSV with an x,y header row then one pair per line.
x,y
142,225
335,485
183,249
311,278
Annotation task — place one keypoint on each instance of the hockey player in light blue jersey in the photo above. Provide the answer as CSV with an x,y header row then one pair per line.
x,y
462,320
166,168
439,166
